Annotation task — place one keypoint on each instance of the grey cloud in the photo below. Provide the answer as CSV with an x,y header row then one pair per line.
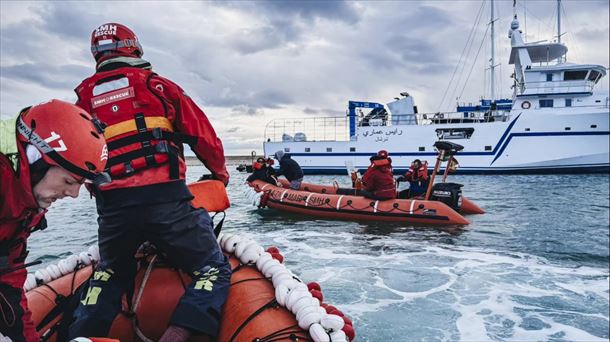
x,y
255,40
247,110
289,20
311,9
233,130
268,98
324,111
51,76
67,20
311,111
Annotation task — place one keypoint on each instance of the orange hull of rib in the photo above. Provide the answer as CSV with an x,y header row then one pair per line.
x,y
249,291
468,206
323,201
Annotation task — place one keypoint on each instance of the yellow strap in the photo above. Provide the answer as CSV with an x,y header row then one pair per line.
x,y
130,126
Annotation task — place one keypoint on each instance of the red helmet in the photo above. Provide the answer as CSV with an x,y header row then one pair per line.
x,y
382,154
114,39
66,136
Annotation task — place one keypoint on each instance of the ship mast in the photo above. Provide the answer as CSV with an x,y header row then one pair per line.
x,y
492,61
559,21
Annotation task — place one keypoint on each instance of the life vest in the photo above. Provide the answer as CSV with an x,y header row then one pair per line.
x,y
138,131
20,215
419,174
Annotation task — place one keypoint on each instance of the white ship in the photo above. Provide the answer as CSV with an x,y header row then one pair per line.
x,y
555,122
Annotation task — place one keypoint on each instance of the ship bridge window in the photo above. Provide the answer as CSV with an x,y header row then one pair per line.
x,y
307,149
594,76
352,149
568,102
549,77
329,149
575,75
454,133
546,103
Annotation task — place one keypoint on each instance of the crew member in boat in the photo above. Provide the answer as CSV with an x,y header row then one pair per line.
x,y
290,169
262,171
417,176
45,155
148,119
378,181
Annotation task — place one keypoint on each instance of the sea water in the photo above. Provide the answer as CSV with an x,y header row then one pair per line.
x,y
534,267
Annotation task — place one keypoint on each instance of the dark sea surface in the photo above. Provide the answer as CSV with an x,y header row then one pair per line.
x,y
535,267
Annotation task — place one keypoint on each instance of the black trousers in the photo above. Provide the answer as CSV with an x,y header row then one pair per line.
x,y
182,232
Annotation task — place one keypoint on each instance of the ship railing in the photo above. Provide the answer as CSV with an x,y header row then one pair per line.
x,y
331,128
337,128
558,87
442,118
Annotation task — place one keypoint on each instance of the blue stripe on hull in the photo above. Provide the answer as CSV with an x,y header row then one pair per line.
x,y
567,169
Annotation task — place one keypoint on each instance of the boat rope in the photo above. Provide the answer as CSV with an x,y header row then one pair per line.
x,y
248,279
326,203
474,63
65,306
218,227
134,318
271,304
291,332
468,42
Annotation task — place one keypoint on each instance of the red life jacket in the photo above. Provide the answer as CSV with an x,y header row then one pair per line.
x,y
379,181
19,215
421,174
138,131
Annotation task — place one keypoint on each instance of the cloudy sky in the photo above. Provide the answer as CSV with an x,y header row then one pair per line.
x,y
248,62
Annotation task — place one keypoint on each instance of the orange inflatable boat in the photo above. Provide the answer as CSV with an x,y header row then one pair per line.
x,y
266,301
467,206
325,203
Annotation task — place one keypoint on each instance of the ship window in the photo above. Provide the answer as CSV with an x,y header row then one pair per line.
x,y
546,103
549,77
487,147
421,149
593,126
568,128
329,149
568,102
352,149
593,76
575,75
286,149
307,149
527,129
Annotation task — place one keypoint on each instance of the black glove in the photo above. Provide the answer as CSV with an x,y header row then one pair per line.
x,y
206,177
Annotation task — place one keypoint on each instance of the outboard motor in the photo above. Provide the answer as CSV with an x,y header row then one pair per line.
x,y
448,193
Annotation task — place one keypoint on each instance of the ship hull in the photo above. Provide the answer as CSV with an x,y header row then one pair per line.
x,y
529,142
